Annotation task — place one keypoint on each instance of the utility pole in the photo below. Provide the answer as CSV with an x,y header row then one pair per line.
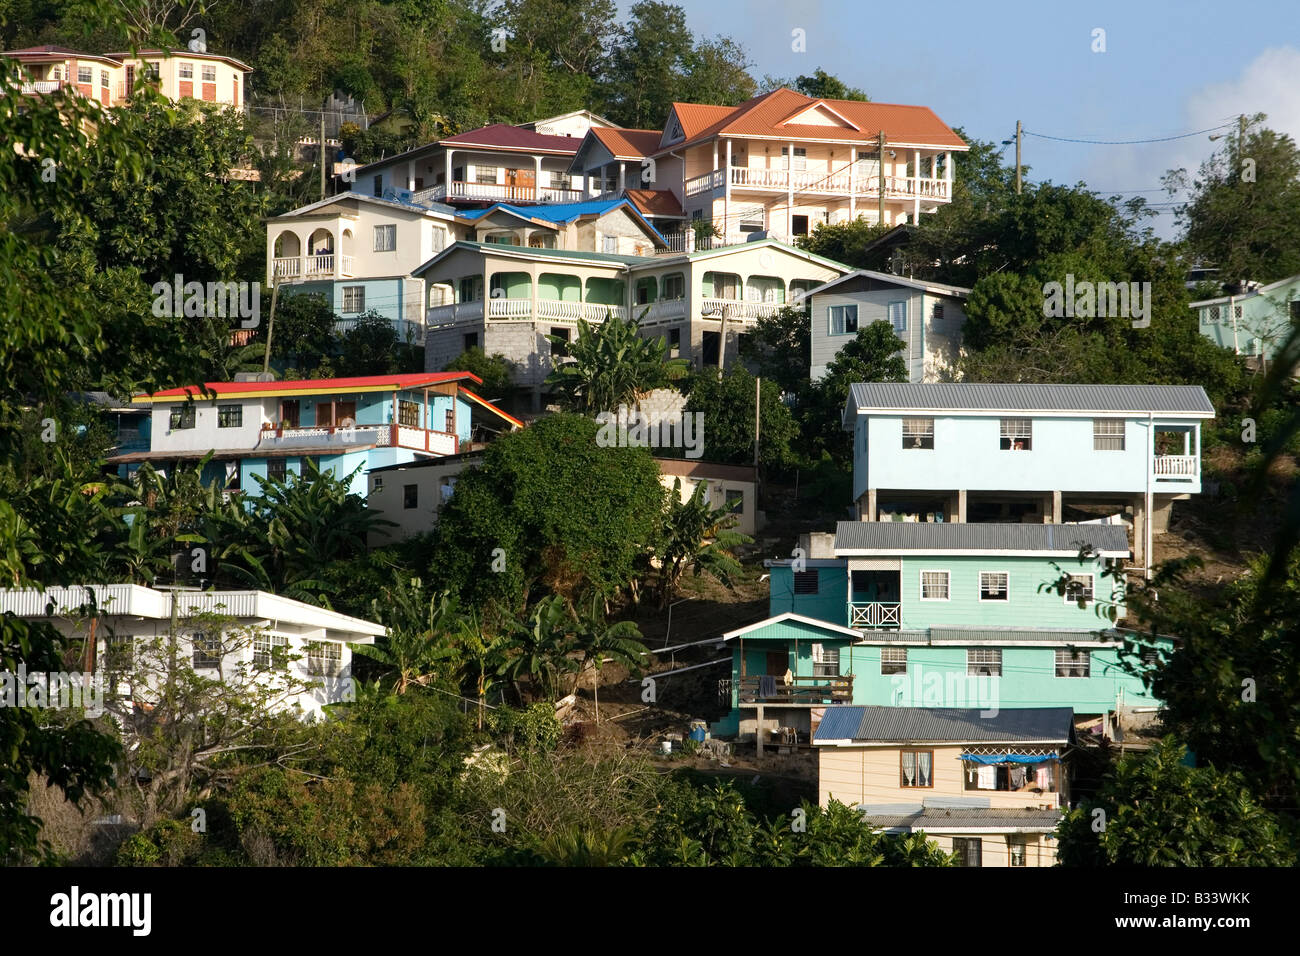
x,y
322,152
722,339
1018,128
881,165
758,400
270,322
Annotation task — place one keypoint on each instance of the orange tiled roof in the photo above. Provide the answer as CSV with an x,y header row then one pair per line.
x,y
771,115
655,202
629,143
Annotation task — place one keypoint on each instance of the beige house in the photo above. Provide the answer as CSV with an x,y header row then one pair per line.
x,y
987,785
734,485
412,495
782,163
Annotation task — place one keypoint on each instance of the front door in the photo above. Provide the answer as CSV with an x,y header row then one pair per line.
x,y
525,180
289,412
345,413
778,662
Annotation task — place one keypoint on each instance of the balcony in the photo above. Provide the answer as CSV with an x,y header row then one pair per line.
x,y
804,181
313,267
43,86
522,310
494,192
665,310
401,436
874,614
804,691
740,310
1176,467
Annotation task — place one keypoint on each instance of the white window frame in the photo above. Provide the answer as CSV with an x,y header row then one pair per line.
x,y
1012,429
386,237
1007,592
185,71
800,157
264,645
324,658
826,662
895,663
1092,593
970,663
203,646
889,311
354,299
208,73
845,314
1101,432
947,584
913,433
1072,663
86,75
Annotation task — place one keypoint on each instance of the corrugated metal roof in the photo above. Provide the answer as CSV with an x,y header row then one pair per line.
x,y
1003,635
977,818
945,725
961,536
980,396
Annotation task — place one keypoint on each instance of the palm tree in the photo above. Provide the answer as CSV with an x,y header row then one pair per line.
x,y
601,642
613,365
697,537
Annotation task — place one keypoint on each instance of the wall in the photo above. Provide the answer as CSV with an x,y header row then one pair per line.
x,y
386,497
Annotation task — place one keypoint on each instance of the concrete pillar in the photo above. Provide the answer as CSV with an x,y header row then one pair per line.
x,y
1139,531
853,183
961,506
1056,508
758,731
446,165
870,503
537,178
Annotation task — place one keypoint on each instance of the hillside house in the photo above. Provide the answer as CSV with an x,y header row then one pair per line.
x,y
1254,323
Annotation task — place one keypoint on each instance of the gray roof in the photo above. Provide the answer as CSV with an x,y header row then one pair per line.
x,y
989,635
946,725
978,396
892,536
977,818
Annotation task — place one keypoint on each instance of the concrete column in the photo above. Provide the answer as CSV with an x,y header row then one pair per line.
x,y
537,178
758,732
871,514
789,192
446,165
622,174
1139,531
410,174
916,185
726,195
961,506
1056,508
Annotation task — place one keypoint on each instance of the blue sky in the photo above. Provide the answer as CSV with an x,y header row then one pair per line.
x,y
1168,68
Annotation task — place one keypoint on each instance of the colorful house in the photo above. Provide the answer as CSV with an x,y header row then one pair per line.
x,y
995,616
1255,322
346,425
1005,452
988,788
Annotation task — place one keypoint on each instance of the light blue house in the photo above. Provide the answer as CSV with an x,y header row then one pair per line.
x,y
256,429
991,616
1003,452
1255,323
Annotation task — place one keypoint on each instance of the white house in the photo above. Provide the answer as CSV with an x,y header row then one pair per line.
x,y
268,631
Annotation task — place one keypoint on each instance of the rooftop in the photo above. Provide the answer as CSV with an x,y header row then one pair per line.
x,y
1185,400
923,537
957,725
309,386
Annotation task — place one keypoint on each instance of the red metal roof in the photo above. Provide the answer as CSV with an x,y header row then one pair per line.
x,y
629,143
501,136
656,202
369,382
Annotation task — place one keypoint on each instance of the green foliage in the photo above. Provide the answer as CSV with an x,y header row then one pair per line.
x,y
846,242
728,409
495,371
372,346
533,730
1160,812
303,336
166,843
870,356
698,538
612,365
779,350
522,501
821,85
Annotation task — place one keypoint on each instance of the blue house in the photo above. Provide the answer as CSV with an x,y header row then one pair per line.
x,y
994,616
1006,452
346,425
1253,323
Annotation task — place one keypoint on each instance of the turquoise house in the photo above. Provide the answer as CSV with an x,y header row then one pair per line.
x,y
938,615
347,426
1255,323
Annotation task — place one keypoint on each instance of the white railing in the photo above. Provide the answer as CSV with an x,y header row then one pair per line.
x,y
510,308
522,310
42,86
678,242
839,183
874,614
442,443
354,433
703,184
739,310
1176,466
318,265
665,310
495,192
293,267
286,268
557,194
348,262
454,312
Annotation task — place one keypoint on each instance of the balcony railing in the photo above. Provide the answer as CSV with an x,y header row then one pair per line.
x,y
825,184
875,614
665,310
521,310
43,86
808,691
1176,466
402,436
740,310
319,266
494,192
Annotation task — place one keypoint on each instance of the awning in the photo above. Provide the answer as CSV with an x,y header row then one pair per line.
x,y
1002,759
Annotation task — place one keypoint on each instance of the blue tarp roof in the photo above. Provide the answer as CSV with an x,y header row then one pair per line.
x,y
554,212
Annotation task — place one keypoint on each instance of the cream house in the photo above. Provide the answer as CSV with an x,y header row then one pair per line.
x,y
988,785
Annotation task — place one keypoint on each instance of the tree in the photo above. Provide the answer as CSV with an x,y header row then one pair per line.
x,y
649,57
538,647
611,366
548,508
598,641
870,356
495,371
1219,822
304,331
1241,205
846,242
728,409
696,537
779,349
821,85
415,650
717,71
372,347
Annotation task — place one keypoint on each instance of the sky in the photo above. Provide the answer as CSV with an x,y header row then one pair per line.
x,y
1168,68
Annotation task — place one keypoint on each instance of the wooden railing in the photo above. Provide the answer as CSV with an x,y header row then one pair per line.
x,y
875,614
809,691
496,192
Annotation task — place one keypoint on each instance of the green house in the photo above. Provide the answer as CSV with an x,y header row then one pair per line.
x,y
1255,323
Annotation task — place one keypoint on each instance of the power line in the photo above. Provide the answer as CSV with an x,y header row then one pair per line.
x,y
1127,142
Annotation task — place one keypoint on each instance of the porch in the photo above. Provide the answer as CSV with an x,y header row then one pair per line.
x,y
495,192
813,182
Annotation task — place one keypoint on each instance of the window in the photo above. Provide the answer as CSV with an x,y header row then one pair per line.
x,y
1079,588
937,313
829,663
275,470
1016,851
408,414
561,181
674,286
85,75
119,653
893,660
1072,663
843,319
934,585
806,582
502,239
182,416
269,650
918,433
1150,656
609,245
379,483
984,662
1294,307
917,768
386,238
207,649
410,496
800,156
230,416
674,343
209,73
103,79
471,341
439,238
967,850
1108,434
994,585
324,659
487,175
799,225
735,498
1017,434
449,421
354,298
187,71
898,316
379,185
